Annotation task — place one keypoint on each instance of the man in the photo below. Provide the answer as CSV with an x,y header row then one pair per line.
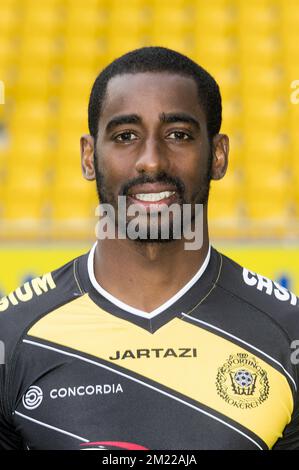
x,y
142,343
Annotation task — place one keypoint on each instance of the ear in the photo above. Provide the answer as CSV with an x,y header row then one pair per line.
x,y
220,156
87,157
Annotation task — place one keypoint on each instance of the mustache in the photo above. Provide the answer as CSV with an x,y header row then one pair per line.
x,y
160,178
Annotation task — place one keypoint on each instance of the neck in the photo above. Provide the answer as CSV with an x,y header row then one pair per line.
x,y
146,275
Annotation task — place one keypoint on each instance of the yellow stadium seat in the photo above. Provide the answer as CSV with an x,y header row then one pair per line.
x,y
80,50
73,204
267,118
169,4
31,118
263,84
225,197
27,208
263,49
216,49
294,118
75,84
85,21
28,173
258,16
8,52
172,19
8,4
268,205
268,180
232,110
229,79
294,165
36,84
31,4
73,113
42,19
291,67
33,147
25,194
136,20
118,43
289,12
9,18
217,16
38,50
71,208
266,145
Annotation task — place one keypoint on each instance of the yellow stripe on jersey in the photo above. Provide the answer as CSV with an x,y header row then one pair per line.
x,y
182,356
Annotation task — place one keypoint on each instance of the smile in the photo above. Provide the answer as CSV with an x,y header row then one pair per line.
x,y
153,197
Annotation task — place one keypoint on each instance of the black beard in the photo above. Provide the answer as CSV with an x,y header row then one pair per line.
x,y
159,238
199,197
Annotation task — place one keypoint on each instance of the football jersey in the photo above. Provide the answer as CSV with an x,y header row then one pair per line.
x,y
215,367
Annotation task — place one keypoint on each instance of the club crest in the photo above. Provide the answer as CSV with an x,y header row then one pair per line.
x,y
242,382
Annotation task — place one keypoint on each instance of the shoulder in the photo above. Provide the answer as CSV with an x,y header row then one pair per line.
x,y
261,293
21,308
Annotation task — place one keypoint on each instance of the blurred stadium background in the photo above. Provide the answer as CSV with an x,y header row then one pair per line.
x,y
50,54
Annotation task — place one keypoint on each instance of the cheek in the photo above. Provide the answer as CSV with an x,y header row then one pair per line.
x,y
192,169
195,175
114,171
201,162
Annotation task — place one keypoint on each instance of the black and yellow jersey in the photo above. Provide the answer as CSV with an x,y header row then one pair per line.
x,y
215,367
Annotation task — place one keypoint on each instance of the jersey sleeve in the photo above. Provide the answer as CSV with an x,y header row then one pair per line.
x,y
290,438
18,311
9,440
281,308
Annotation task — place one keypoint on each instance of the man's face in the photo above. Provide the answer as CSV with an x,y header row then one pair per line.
x,y
152,144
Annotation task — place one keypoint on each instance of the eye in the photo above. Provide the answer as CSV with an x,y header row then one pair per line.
x,y
124,137
180,135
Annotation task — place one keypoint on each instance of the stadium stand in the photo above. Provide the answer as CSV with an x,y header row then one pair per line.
x,y
50,53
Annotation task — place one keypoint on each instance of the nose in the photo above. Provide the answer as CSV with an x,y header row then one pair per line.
x,y
152,159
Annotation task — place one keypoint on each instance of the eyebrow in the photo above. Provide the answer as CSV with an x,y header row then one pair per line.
x,y
163,117
179,117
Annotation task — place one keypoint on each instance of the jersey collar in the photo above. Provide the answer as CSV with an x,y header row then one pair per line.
x,y
192,294
136,311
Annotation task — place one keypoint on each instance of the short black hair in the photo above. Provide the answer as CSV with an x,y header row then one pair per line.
x,y
158,59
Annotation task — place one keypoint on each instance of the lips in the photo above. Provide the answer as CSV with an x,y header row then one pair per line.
x,y
152,195
152,188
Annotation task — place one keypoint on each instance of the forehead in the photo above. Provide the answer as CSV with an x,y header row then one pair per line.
x,y
147,93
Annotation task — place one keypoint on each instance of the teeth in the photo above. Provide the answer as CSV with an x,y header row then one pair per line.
x,y
153,197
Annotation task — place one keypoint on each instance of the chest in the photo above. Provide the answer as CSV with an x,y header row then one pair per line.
x,y
180,388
